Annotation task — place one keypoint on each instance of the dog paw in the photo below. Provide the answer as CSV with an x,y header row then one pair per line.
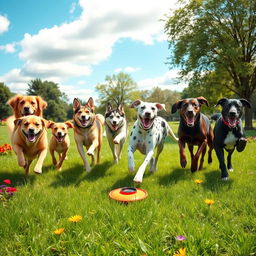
x,y
58,167
231,170
152,169
131,169
183,163
116,141
88,168
22,163
137,179
224,178
90,152
38,169
115,161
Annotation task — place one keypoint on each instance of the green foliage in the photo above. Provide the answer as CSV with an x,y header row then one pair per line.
x,y
57,101
118,86
216,35
175,206
5,94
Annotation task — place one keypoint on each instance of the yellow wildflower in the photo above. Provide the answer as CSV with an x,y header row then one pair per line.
x,y
59,231
180,252
209,201
75,218
198,181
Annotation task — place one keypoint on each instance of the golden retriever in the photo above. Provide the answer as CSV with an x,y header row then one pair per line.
x,y
23,106
29,140
88,130
59,142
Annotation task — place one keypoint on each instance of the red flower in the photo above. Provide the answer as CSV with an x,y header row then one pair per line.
x,y
7,181
10,189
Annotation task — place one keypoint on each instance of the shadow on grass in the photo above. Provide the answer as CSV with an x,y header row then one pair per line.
x,y
127,181
175,176
213,182
76,174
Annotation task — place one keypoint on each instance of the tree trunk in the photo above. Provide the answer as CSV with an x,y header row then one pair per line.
x,y
248,119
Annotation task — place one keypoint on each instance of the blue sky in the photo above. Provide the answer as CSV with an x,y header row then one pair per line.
x,y
77,43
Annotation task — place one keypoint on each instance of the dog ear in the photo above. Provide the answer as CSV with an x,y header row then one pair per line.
x,y
121,108
135,104
246,103
108,108
76,104
14,102
203,100
41,105
44,122
176,106
221,102
90,104
160,106
50,124
69,124
17,121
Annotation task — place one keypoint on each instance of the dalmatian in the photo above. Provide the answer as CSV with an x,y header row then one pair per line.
x,y
149,132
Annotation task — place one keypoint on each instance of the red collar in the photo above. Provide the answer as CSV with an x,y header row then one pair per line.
x,y
227,123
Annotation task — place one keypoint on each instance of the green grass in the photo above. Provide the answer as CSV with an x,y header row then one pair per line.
x,y
175,206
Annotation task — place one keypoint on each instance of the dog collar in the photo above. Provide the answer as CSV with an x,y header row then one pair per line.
x,y
227,123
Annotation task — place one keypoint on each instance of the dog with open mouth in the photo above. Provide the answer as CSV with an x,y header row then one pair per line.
x,y
195,130
29,141
116,129
228,131
149,132
59,141
24,106
88,130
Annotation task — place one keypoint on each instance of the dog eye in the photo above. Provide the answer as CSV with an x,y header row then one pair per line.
x,y
118,117
111,117
33,103
87,111
55,129
153,108
63,128
37,124
26,124
79,112
143,107
22,102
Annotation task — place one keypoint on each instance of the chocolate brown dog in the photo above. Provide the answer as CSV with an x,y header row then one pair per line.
x,y
195,130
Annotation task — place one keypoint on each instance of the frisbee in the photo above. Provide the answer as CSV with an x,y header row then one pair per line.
x,y
128,194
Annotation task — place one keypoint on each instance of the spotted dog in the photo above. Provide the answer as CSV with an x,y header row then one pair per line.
x,y
148,133
228,131
116,129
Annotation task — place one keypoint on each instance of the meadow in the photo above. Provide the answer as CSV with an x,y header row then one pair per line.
x,y
175,206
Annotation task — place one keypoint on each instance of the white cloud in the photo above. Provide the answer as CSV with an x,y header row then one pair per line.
x,y
170,80
4,24
72,8
127,69
9,48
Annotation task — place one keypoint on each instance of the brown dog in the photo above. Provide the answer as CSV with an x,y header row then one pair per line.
x,y
29,140
195,130
23,106
88,130
59,142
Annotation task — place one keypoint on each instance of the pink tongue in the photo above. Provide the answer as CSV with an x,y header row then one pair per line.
x,y
114,127
190,120
31,137
232,122
83,122
59,138
146,122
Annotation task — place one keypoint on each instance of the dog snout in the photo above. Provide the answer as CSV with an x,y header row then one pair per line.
x,y
147,114
26,109
83,117
59,133
232,113
190,112
114,122
31,130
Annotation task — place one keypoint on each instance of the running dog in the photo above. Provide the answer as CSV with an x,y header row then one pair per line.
x,y
116,129
59,141
88,130
195,130
228,131
29,141
24,106
148,133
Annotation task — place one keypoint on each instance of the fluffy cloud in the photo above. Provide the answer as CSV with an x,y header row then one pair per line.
x,y
127,70
4,24
170,80
9,48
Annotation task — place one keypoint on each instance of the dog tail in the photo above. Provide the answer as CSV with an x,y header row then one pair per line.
x,y
100,118
216,116
171,133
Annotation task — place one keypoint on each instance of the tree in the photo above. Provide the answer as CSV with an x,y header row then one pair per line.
x,y
116,86
56,100
220,36
5,94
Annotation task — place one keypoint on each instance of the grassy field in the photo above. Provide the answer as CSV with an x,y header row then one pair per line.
x,y
175,206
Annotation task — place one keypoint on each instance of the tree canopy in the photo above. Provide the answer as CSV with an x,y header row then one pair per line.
x,y
5,94
216,36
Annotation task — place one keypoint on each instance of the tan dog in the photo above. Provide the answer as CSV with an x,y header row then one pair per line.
x,y
29,140
24,106
88,130
59,142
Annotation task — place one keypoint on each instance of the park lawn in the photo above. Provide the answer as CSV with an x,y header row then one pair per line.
x,y
175,206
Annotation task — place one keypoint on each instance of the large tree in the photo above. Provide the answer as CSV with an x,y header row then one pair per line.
x,y
119,86
56,100
219,36
5,94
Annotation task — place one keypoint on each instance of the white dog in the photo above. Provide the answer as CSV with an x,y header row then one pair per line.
x,y
148,132
116,129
